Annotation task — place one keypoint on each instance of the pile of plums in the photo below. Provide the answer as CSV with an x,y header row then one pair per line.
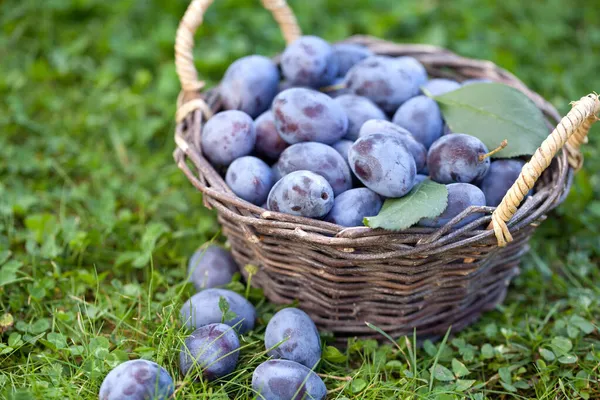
x,y
212,349
337,129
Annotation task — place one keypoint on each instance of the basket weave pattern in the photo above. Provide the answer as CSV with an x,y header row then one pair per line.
x,y
421,278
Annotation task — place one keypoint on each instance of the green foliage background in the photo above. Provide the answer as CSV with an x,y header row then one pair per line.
x,y
96,222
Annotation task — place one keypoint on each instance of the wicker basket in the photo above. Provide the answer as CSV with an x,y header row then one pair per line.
x,y
420,278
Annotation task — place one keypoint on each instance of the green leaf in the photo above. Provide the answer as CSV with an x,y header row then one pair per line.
x,y
153,232
395,365
8,272
493,112
41,325
561,345
429,348
508,387
442,373
521,385
334,355
225,309
464,384
426,200
568,359
459,368
505,375
582,324
547,354
57,339
358,385
487,351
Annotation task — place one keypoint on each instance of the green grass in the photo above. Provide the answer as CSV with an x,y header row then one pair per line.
x,y
96,222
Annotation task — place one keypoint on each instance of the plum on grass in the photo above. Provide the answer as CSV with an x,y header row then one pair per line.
x,y
292,335
305,115
440,86
309,61
212,350
137,380
250,178
302,193
359,110
418,151
287,380
203,309
249,85
460,197
422,117
352,206
458,158
501,176
320,159
228,135
383,163
386,81
211,266
348,55
268,142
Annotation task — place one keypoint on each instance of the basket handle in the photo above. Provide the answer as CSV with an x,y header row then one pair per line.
x,y
571,133
192,19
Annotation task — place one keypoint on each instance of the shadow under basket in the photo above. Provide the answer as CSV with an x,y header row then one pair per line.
x,y
421,278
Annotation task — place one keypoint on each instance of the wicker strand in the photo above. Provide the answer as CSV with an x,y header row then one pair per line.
x,y
572,128
184,46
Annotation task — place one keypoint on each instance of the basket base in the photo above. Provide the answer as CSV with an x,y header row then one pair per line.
x,y
431,296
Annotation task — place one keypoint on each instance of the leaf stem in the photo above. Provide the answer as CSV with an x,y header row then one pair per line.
x,y
491,153
332,88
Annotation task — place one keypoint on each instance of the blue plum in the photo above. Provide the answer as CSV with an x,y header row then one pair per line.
x,y
250,178
386,81
137,380
418,151
458,158
440,86
342,147
211,266
501,176
348,55
309,61
203,309
302,193
228,135
422,117
359,110
305,115
320,159
249,85
383,163
460,197
292,335
413,69
287,380
277,174
352,206
420,178
446,130
211,351
268,142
